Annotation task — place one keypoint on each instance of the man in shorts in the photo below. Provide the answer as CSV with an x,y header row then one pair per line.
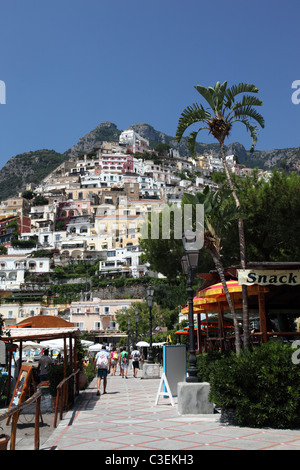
x,y
136,357
102,362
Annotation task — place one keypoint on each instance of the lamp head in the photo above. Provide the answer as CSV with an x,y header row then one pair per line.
x,y
189,241
150,294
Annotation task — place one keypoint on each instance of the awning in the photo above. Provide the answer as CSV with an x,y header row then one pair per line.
x,y
29,334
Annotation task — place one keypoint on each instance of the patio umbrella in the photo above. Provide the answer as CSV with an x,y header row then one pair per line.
x,y
95,347
201,305
217,290
86,343
28,345
143,344
54,344
181,332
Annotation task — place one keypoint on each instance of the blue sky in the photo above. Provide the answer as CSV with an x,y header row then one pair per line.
x,y
69,65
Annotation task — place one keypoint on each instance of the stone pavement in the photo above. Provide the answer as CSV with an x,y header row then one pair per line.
x,y
126,419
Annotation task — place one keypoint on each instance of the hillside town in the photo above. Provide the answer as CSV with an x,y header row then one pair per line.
x,y
91,208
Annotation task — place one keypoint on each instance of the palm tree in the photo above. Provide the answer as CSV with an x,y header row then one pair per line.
x,y
217,214
224,111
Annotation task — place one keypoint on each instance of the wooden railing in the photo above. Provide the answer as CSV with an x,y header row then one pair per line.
x,y
62,395
15,412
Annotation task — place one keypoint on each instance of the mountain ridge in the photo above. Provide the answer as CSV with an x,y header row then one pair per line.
x,y
32,167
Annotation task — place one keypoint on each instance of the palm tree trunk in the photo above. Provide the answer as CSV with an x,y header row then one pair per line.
x,y
219,266
242,250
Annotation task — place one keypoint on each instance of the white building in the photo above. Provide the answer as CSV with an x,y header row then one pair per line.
x,y
136,143
123,261
102,180
14,267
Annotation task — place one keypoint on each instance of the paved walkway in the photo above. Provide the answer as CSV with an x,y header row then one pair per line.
x,y
126,418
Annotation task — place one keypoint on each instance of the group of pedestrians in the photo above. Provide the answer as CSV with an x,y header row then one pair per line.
x,y
107,361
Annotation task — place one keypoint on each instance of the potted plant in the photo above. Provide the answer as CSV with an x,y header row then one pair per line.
x,y
4,439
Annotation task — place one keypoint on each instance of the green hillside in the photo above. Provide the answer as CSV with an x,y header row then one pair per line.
x,y
25,168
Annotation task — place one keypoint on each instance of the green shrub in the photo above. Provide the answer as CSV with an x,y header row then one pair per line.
x,y
90,372
262,387
205,364
56,375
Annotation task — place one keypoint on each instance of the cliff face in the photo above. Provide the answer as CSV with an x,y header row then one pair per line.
x,y
32,167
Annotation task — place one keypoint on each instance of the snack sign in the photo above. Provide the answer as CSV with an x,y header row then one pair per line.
x,y
249,277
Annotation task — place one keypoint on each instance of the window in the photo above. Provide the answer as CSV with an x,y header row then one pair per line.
x,y
110,264
106,309
97,325
10,314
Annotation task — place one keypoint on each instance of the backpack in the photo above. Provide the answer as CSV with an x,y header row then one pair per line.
x,y
115,355
124,359
102,361
136,355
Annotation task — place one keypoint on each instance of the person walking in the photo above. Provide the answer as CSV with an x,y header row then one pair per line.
x,y
103,364
44,361
124,363
136,357
114,359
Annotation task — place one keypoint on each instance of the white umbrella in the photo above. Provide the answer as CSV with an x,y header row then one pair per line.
x,y
158,344
143,344
95,347
57,344
27,345
86,343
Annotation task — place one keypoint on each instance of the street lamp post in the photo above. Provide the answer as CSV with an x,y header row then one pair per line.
x,y
150,294
189,263
128,332
136,320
